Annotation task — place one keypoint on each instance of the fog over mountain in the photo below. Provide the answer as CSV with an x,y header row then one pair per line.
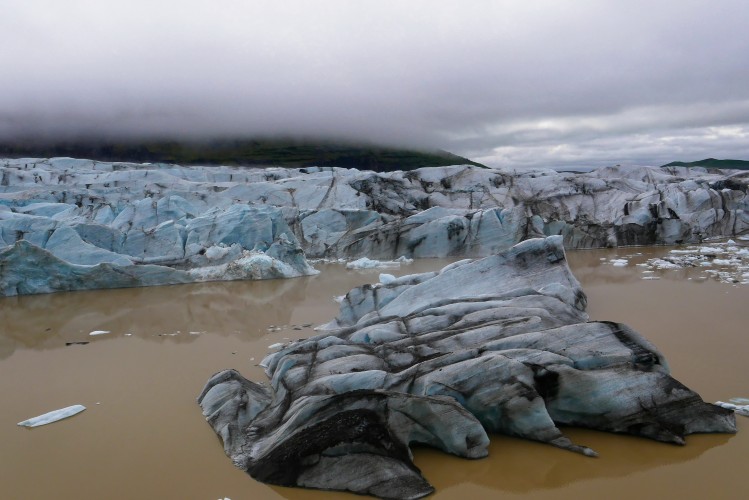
x,y
543,83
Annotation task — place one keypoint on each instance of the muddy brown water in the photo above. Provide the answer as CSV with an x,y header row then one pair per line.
x,y
143,436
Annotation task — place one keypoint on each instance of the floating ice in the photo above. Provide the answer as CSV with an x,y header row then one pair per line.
x,y
733,261
722,262
52,416
100,332
277,345
619,262
367,263
740,409
663,264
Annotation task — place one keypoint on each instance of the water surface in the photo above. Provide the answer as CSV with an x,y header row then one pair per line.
x,y
143,435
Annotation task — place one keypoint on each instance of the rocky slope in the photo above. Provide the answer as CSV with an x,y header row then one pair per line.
x,y
200,223
501,344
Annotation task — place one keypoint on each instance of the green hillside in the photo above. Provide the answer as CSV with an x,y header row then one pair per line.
x,y
712,163
273,152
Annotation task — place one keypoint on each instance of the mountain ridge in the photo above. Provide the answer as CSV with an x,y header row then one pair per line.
x,y
293,153
711,163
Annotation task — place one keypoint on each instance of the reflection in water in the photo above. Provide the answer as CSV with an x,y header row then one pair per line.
x,y
520,467
49,321
147,384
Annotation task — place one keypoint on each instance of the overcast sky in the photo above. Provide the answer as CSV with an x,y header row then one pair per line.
x,y
515,83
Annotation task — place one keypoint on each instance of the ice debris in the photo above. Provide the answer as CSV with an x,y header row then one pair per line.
x,y
727,262
740,409
367,263
99,332
52,416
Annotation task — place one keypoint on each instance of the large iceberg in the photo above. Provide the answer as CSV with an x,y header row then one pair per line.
x,y
502,344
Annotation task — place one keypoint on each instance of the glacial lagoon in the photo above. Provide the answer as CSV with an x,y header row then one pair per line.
x,y
143,435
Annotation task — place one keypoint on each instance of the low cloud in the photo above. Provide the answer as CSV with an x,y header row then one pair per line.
x,y
506,83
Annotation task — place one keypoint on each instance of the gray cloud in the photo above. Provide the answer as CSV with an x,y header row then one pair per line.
x,y
508,83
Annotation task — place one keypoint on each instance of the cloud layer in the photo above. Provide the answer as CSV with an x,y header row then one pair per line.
x,y
543,83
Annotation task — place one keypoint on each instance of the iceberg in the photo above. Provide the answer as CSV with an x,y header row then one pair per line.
x,y
501,344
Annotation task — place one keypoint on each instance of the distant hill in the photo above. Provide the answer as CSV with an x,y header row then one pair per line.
x,y
272,152
712,163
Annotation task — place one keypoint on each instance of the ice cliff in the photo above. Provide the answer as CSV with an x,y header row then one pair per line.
x,y
94,224
502,344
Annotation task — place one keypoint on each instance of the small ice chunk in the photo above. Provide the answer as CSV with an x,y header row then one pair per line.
x,y
100,332
386,278
363,263
366,263
339,298
739,401
619,262
650,278
52,416
663,264
277,345
740,409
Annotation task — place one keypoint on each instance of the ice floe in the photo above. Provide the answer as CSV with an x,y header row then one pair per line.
x,y
52,416
367,263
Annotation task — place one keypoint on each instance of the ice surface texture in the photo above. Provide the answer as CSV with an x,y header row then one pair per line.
x,y
502,344
89,224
